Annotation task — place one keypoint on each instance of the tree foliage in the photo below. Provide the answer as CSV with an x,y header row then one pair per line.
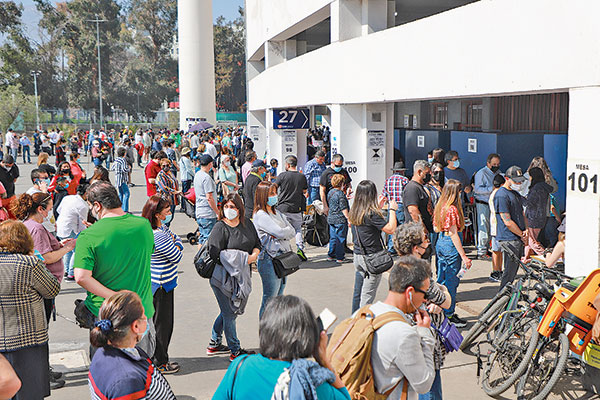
x,y
14,101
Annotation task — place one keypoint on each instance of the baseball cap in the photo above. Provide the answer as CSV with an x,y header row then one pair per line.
x,y
205,159
259,163
516,174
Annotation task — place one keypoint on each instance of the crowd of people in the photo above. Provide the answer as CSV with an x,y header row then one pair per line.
x,y
249,213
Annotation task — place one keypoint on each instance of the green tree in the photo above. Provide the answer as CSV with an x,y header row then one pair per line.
x,y
14,101
16,53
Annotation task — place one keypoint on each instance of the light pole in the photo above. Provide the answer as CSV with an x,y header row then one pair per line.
x,y
97,21
37,110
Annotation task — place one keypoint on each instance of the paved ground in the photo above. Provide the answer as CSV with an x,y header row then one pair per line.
x,y
321,283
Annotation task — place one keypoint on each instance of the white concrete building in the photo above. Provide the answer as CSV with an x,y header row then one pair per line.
x,y
369,66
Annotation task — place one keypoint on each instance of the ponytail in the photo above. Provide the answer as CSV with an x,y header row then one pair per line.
x,y
115,317
26,205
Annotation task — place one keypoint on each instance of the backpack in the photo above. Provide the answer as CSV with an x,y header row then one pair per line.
x,y
350,352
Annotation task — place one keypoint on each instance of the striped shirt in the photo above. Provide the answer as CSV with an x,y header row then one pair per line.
x,y
168,250
121,171
167,185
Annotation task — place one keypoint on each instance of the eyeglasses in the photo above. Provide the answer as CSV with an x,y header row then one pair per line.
x,y
424,293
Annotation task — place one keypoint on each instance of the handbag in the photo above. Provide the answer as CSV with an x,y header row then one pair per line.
x,y
286,264
449,335
203,263
379,262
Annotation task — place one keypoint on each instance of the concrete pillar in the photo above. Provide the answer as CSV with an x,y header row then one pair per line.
x,y
274,53
374,16
301,47
290,49
583,188
254,68
257,131
196,61
346,19
391,13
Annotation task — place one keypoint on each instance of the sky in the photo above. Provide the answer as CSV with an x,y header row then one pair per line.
x,y
226,8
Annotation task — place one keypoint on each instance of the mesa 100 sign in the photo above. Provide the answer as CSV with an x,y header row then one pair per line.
x,y
291,118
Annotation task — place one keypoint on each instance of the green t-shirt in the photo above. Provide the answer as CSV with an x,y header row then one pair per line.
x,y
118,250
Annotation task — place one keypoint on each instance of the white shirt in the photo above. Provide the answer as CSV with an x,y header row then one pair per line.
x,y
211,149
53,137
72,211
195,141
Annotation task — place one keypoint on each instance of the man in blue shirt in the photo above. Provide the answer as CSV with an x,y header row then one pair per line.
x,y
313,170
511,231
484,179
454,171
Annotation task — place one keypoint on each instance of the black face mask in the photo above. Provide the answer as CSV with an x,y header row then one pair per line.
x,y
427,177
427,254
495,168
438,176
65,171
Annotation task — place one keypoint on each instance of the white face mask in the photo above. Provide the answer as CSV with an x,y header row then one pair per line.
x,y
516,186
230,213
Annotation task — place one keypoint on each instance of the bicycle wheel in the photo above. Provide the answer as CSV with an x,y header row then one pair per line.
x,y
484,321
544,369
510,356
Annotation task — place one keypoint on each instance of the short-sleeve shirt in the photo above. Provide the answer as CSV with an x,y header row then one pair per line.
x,y
151,171
458,174
204,184
508,202
416,195
224,237
337,202
451,218
292,185
45,242
118,251
328,174
368,235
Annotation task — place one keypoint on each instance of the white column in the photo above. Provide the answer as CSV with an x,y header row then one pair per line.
x,y
257,131
583,188
196,61
274,53
346,19
374,16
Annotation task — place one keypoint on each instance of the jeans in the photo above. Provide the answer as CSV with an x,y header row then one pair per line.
x,y
272,285
483,228
365,285
511,266
295,219
448,266
124,196
97,162
313,194
205,226
435,393
225,322
14,153
69,258
26,152
400,220
337,240
186,185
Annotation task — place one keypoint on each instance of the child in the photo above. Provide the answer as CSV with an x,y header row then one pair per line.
x,y
273,170
496,275
337,219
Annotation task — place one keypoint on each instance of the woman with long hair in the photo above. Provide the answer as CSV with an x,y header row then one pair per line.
x,y
166,185
42,164
448,221
168,250
276,235
100,174
367,221
64,170
536,210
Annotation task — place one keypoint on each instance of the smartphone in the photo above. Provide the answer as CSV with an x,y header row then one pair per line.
x,y
325,320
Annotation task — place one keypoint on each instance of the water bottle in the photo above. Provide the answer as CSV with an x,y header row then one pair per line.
x,y
463,270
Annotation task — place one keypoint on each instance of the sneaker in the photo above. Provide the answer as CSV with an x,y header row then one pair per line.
x,y
169,368
216,348
483,257
55,375
458,322
70,278
496,276
238,353
342,261
330,259
56,383
301,254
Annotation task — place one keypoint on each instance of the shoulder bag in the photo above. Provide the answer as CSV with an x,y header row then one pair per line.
x,y
376,263
449,335
286,264
203,263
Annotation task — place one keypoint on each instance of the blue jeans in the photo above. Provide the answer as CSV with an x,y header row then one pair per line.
x,y
97,162
365,287
435,393
337,240
399,220
272,285
124,196
483,228
225,322
26,152
205,226
14,153
69,259
313,194
448,266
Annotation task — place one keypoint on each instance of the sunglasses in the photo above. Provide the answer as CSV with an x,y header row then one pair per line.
x,y
424,293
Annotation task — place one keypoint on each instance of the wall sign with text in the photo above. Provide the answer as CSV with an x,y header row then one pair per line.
x,y
582,178
292,118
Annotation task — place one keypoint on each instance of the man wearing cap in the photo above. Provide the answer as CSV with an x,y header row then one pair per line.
x,y
511,229
206,202
257,175
393,190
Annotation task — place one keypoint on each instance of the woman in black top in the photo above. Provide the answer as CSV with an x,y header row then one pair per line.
x,y
233,231
44,166
368,222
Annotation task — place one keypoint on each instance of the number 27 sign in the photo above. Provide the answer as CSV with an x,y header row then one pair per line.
x,y
296,118
582,177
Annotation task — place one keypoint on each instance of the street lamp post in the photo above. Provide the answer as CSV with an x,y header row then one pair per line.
x,y
37,108
97,21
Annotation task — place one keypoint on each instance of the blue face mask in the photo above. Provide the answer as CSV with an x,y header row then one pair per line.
x,y
263,175
337,169
168,219
272,200
67,186
456,163
38,255
147,329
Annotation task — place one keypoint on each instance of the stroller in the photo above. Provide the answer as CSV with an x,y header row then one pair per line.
x,y
188,203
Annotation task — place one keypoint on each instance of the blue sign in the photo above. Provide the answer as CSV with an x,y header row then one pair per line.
x,y
293,118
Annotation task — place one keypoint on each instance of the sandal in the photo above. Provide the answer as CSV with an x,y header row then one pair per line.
x,y
169,368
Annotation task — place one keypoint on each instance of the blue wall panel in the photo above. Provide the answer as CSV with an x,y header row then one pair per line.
x,y
519,149
432,140
469,161
555,154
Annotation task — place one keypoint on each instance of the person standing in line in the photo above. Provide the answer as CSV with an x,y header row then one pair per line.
x,y
496,275
147,141
275,234
194,143
72,219
187,170
9,173
206,201
337,218
234,231
536,210
151,171
168,186
76,169
107,245
25,148
168,250
250,157
40,181
121,169
227,175
511,222
448,220
256,176
454,171
393,190
417,204
483,183
313,171
42,164
13,144
337,167
367,221
293,189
